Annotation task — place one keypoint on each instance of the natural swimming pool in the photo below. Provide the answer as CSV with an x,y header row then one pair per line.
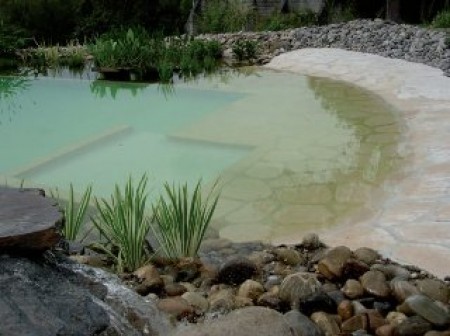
x,y
293,153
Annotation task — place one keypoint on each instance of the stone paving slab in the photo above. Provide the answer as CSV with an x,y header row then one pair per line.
x,y
412,223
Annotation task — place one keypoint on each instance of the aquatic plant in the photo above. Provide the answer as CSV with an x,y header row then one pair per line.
x,y
48,56
180,220
74,216
123,223
74,57
135,50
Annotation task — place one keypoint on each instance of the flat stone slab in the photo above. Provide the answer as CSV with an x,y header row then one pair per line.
x,y
28,220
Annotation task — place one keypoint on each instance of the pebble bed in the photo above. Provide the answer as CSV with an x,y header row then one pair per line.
x,y
315,289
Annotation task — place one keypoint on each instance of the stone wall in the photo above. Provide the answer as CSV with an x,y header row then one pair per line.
x,y
411,43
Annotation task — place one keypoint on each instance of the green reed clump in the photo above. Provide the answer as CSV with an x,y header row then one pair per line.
x,y
123,223
180,219
75,217
136,50
131,48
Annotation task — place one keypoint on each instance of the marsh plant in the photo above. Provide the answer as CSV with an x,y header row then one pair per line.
x,y
123,223
135,50
75,216
180,219
72,56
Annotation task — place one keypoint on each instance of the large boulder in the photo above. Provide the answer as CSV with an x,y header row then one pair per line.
x,y
28,220
48,296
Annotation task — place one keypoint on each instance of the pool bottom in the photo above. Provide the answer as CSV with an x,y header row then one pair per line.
x,y
293,153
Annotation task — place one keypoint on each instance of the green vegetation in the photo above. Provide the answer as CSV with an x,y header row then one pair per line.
x,y
281,21
245,50
220,16
73,56
11,38
135,50
181,220
231,16
442,20
123,223
58,21
10,87
126,48
338,11
75,217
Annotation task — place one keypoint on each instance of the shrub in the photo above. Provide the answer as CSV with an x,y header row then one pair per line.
x,y
336,11
11,38
50,21
442,20
281,21
123,223
220,16
245,49
181,220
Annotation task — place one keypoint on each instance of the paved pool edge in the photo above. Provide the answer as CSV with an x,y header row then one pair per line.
x,y
412,223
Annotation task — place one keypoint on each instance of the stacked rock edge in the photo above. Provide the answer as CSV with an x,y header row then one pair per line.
x,y
407,42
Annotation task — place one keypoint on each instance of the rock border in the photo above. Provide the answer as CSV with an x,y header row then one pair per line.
x,y
378,37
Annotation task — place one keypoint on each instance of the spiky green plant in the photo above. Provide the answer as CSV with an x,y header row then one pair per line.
x,y
180,220
75,216
123,223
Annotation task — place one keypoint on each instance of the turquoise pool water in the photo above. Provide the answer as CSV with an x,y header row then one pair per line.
x,y
293,153
60,131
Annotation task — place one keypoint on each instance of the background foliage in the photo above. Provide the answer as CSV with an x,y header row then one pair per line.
x,y
58,21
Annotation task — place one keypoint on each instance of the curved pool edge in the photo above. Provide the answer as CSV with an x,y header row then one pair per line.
x,y
411,224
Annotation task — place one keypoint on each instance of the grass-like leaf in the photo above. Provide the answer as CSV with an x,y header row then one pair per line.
x,y
75,217
180,220
124,224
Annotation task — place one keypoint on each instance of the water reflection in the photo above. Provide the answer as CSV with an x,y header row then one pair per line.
x,y
107,89
323,166
10,88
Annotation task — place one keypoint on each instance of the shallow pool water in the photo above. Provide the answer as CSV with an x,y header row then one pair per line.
x,y
292,153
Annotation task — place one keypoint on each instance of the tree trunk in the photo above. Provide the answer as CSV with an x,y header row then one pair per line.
x,y
393,10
